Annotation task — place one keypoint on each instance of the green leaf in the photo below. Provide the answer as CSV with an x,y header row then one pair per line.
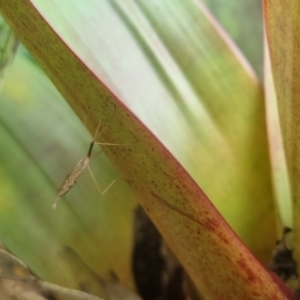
x,y
242,20
40,149
283,36
209,132
208,112
278,159
9,45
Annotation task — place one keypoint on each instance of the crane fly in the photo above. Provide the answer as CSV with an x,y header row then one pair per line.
x,y
72,177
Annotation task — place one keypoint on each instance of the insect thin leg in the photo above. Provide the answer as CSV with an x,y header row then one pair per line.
x,y
97,130
98,134
110,144
108,187
98,188
93,177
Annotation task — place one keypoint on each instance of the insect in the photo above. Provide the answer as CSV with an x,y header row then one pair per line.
x,y
71,179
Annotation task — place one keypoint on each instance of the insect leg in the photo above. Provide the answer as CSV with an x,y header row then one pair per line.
x,y
98,188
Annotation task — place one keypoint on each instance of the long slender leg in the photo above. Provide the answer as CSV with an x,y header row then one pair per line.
x,y
98,188
94,179
109,186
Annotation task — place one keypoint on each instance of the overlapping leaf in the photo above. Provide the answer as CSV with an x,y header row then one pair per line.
x,y
283,37
207,112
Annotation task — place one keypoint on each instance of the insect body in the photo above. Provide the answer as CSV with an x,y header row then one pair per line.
x,y
73,176
81,165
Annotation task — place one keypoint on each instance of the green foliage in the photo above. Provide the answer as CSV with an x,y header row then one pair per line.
x,y
201,120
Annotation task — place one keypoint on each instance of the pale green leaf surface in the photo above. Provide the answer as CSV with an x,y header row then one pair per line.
x,y
283,36
8,47
278,159
243,22
170,72
80,235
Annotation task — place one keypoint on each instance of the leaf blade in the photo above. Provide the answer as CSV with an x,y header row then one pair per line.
x,y
148,157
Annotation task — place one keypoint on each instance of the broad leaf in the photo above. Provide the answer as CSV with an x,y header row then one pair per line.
x,y
283,36
231,125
